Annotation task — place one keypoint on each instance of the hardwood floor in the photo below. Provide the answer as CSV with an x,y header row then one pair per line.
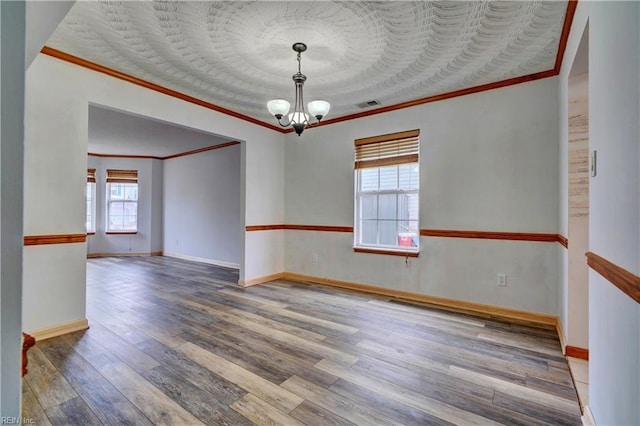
x,y
177,342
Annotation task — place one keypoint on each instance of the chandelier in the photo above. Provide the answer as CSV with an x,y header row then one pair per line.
x,y
298,119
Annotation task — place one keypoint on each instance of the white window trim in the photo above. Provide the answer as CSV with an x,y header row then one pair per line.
x,y
108,204
357,227
92,228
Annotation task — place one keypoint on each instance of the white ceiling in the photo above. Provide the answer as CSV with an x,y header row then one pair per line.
x,y
237,54
117,133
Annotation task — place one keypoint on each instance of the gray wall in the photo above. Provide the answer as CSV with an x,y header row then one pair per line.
x,y
12,36
488,162
202,206
149,207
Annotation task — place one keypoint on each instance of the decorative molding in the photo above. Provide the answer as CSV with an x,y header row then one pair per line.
x,y
260,280
626,281
320,228
563,340
443,233
59,329
143,157
387,252
490,235
564,36
127,254
27,343
201,260
38,240
440,97
571,7
46,50
563,241
199,150
251,228
576,352
456,305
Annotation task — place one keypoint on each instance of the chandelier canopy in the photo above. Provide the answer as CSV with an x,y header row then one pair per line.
x,y
298,119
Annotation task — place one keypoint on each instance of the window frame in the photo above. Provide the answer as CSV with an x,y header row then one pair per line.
x,y
121,177
379,152
91,207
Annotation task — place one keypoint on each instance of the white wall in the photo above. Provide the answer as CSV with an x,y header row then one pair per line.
x,y
202,206
614,318
149,208
489,162
58,95
12,33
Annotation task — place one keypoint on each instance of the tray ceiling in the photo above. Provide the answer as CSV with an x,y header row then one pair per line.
x,y
238,54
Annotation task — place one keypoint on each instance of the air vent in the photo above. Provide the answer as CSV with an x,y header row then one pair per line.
x,y
369,104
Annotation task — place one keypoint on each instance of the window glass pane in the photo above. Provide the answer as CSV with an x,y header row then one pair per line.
x,y
388,232
368,232
389,177
90,217
369,179
387,206
369,207
409,234
408,176
122,207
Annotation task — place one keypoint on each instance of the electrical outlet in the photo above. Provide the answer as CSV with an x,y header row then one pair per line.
x,y
314,258
502,280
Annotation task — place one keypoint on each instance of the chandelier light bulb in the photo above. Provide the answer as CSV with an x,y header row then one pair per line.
x,y
298,117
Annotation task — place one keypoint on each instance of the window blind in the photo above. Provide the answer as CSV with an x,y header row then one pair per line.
x,y
91,175
387,150
122,176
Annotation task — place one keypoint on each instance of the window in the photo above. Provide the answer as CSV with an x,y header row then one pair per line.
x,y
122,201
387,192
91,201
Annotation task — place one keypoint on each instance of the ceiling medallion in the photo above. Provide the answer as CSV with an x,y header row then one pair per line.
x,y
298,119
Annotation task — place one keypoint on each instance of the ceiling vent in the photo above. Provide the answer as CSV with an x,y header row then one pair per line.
x,y
369,104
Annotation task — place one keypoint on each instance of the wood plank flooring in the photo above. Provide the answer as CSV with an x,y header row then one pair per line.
x,y
177,342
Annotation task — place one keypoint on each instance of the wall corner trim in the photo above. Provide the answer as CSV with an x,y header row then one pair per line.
x,y
261,280
59,329
587,417
576,352
563,339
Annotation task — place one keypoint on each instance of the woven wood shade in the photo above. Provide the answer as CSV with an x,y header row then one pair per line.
x,y
91,175
386,150
122,176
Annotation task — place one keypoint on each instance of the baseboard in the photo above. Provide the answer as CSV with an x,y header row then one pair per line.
x,y
563,339
457,305
576,352
59,329
94,255
261,280
587,417
201,259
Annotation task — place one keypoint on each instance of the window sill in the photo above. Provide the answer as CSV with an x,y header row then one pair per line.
x,y
91,233
122,233
387,252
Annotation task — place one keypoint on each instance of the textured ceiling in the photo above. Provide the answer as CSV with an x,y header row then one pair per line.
x,y
238,54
